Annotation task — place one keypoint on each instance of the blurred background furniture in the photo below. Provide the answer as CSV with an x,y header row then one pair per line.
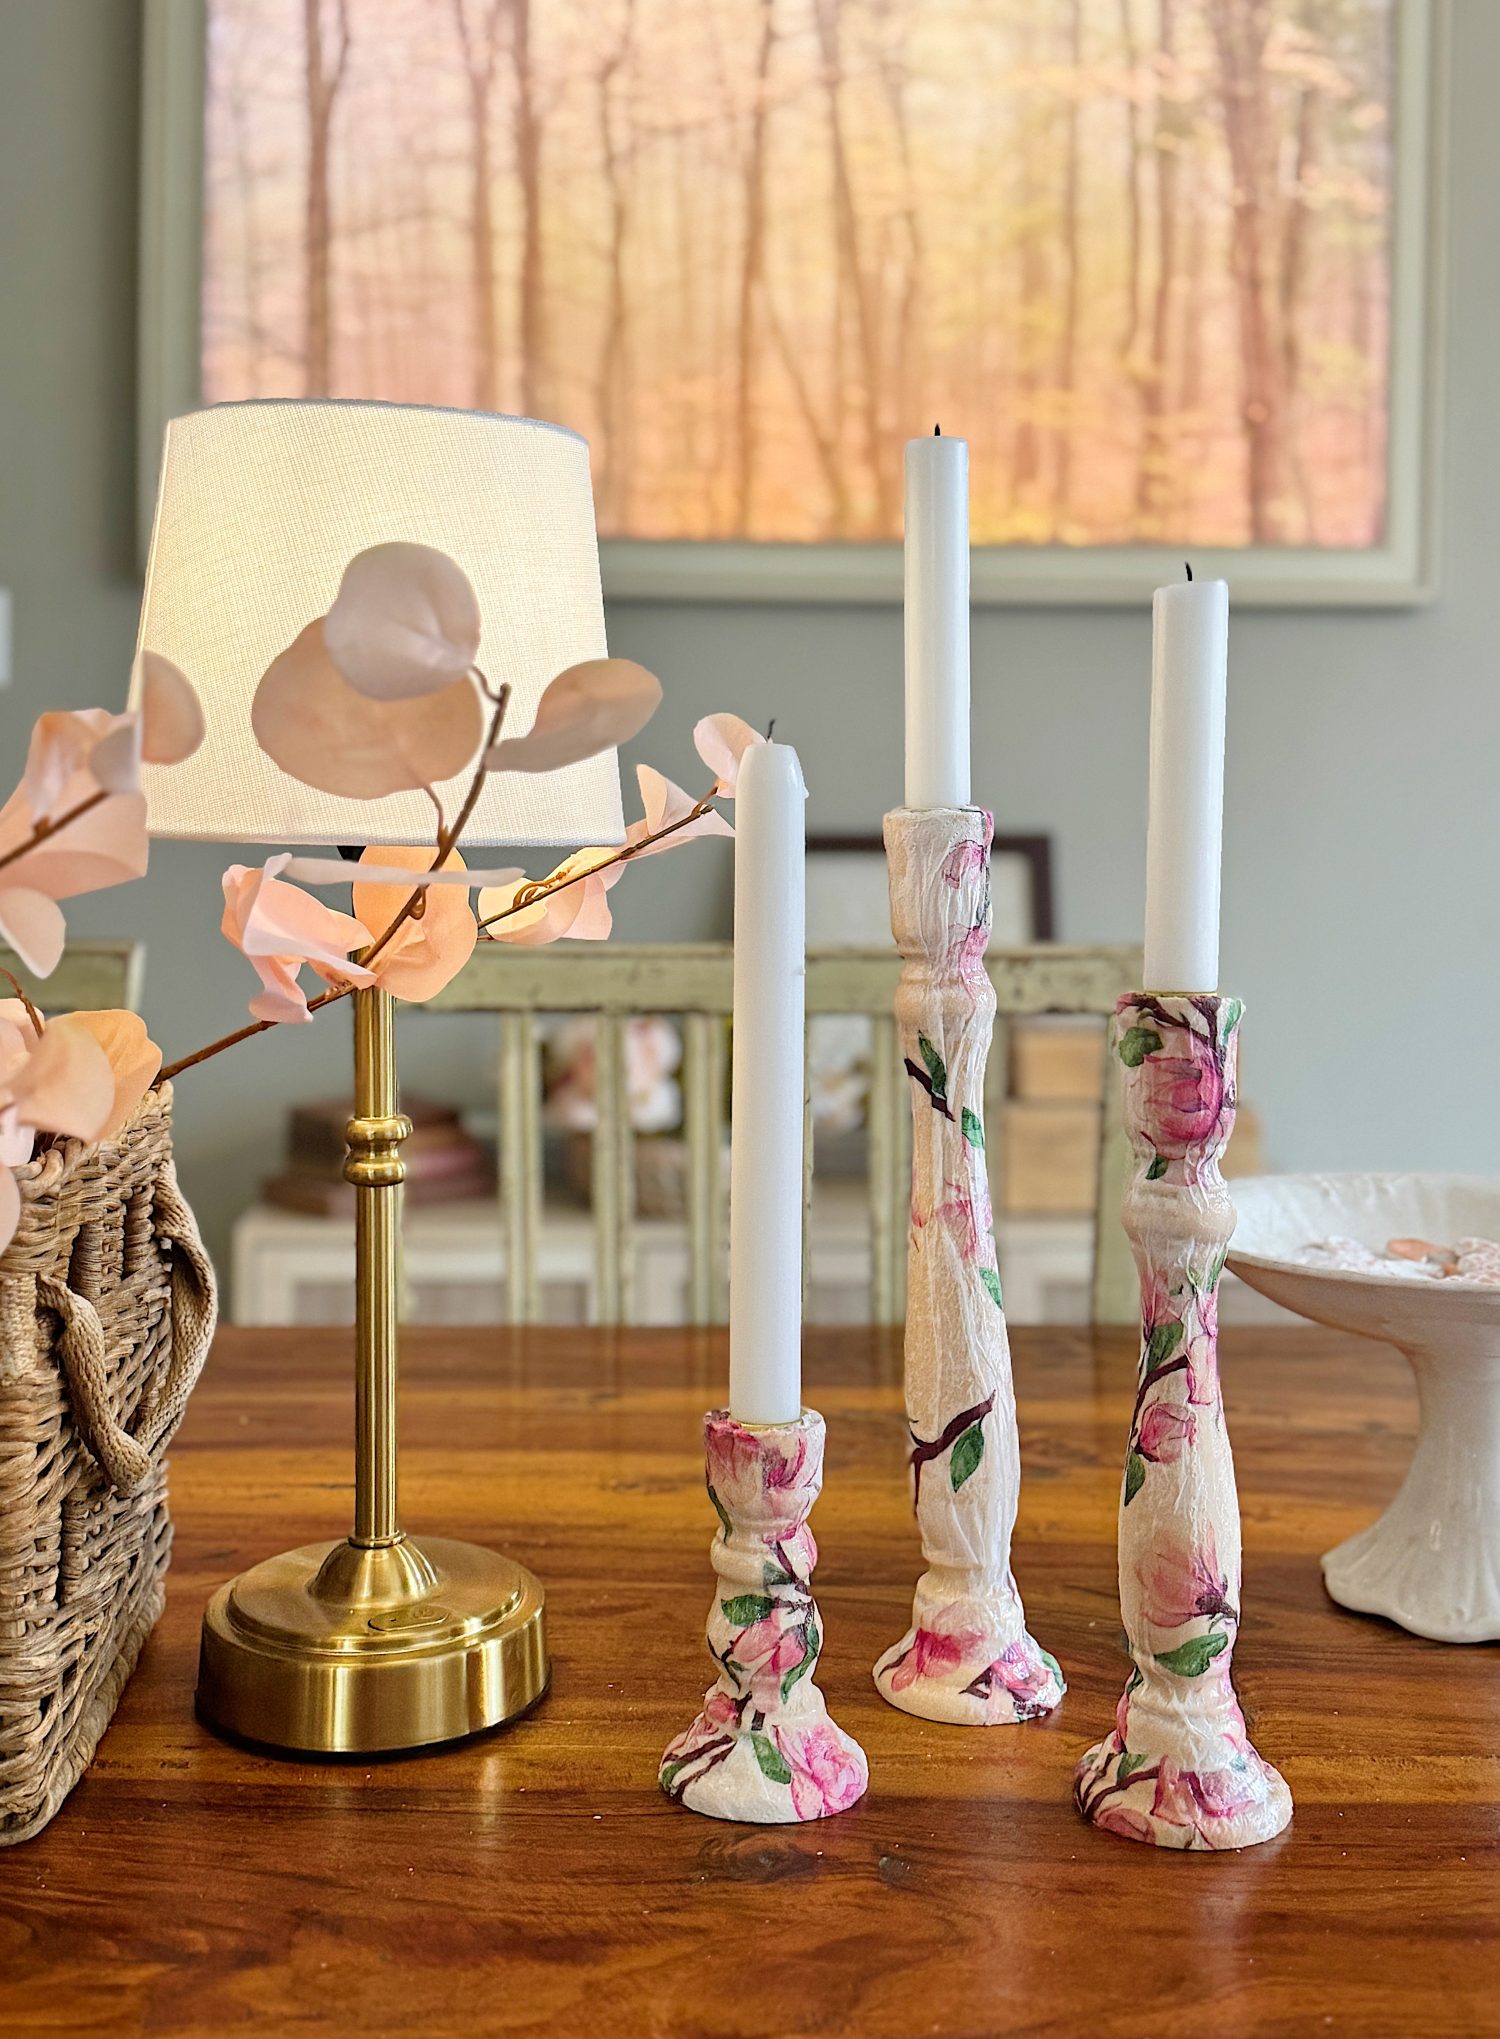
x,y
92,977
546,1259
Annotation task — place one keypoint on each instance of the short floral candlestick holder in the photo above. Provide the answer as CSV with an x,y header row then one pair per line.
x,y
967,1658
1179,1770
764,1748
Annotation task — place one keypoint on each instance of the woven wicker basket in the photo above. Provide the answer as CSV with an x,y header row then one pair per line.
x,y
106,1311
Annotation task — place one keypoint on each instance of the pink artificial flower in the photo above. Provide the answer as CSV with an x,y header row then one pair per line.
x,y
667,805
1184,1101
57,1082
1164,1429
721,741
827,1775
1182,1582
279,928
934,1655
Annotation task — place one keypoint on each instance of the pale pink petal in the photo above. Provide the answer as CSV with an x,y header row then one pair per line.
x,y
33,925
115,760
423,955
67,1085
62,742
405,622
282,1001
721,741
547,920
667,806
589,708
107,846
16,1139
133,1058
172,725
594,919
310,721
10,1208
264,916
335,871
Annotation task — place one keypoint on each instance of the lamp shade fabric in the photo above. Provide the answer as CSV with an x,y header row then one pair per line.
x,y
261,507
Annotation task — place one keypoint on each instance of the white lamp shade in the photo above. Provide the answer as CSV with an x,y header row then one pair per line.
x,y
261,507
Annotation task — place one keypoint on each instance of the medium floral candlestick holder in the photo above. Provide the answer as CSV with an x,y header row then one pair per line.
x,y
1179,1770
967,1658
763,1748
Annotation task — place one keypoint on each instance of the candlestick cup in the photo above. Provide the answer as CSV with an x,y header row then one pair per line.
x,y
1179,1769
967,1657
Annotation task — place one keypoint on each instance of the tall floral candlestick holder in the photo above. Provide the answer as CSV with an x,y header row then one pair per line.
x,y
764,1748
1179,1770
967,1657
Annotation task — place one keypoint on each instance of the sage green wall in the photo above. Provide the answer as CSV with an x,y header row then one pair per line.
x,y
1363,830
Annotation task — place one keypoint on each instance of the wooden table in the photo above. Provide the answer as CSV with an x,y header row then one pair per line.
x,y
536,1881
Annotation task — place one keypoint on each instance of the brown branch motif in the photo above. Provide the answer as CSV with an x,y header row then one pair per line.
x,y
922,1452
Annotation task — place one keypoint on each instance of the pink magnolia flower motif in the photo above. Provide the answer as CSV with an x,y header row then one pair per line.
x,y
966,955
279,928
1203,1372
1020,1672
935,1655
1184,1103
768,1651
1182,1582
1122,1714
968,1216
721,741
783,1471
1115,1818
666,805
1186,1798
965,861
826,1775
721,1708
1164,1430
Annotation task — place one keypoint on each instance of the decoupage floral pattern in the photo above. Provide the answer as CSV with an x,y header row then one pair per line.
x,y
763,1747
967,1657
1179,1769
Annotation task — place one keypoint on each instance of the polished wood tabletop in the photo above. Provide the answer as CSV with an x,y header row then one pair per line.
x,y
536,1881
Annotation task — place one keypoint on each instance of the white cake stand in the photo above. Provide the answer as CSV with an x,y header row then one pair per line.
x,y
1432,1560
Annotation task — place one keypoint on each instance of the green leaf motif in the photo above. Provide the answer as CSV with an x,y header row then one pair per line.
x,y
1136,1043
1135,1476
1162,1343
1233,1011
973,1127
963,1460
1192,1658
990,1276
773,1576
773,1764
1128,1765
745,1608
801,1670
1157,1168
937,1068
719,1510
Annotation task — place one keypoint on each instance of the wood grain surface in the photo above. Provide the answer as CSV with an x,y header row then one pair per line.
x,y
535,1881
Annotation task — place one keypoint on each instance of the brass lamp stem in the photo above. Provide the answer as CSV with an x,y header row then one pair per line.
x,y
375,1167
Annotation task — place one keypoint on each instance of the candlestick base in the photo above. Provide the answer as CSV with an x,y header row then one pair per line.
x,y
967,1658
1179,1770
763,1748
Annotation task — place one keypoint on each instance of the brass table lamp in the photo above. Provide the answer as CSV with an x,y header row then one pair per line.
x,y
380,1640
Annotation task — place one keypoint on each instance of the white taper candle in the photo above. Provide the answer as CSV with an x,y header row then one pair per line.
x,y
1185,826
937,622
765,1193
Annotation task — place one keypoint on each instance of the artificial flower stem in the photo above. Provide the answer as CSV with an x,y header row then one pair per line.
x,y
45,830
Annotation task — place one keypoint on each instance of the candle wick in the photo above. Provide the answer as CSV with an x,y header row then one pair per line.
x,y
770,726
937,431
1188,566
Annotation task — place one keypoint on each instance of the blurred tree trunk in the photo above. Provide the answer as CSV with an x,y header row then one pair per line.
x,y
325,60
1067,346
861,289
1241,30
752,266
613,393
532,306
1134,211
1031,292
1153,488
1293,280
481,51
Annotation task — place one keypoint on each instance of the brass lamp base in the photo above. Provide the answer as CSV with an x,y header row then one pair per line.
x,y
347,1649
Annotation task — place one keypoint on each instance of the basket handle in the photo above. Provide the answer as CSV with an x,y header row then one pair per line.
x,y
128,1461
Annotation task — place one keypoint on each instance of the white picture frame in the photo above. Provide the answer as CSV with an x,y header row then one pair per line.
x,y
1400,572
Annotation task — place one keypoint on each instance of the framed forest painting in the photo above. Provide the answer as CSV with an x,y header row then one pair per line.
x,y
1168,265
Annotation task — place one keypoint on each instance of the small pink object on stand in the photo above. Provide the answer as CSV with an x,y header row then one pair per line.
x,y
764,1748
967,1657
1180,1770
